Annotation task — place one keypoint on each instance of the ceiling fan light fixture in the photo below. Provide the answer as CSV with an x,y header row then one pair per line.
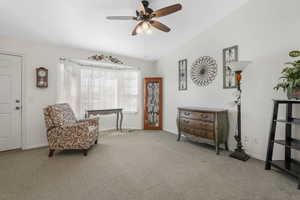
x,y
149,31
146,26
139,30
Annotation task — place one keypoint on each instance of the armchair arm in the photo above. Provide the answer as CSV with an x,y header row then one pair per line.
x,y
79,134
91,121
75,130
72,136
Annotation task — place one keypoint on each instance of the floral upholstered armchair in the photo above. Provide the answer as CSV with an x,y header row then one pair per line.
x,y
64,131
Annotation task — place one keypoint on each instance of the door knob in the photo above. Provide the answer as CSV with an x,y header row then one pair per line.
x,y
17,101
18,107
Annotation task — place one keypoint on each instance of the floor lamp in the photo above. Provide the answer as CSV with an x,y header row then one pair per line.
x,y
238,67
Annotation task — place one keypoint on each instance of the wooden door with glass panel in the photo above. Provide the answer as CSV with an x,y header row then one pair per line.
x,y
153,103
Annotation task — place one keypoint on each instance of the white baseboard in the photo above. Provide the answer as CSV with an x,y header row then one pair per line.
x,y
167,130
253,155
123,128
35,146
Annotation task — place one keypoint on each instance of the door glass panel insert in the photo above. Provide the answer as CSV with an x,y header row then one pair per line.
x,y
153,104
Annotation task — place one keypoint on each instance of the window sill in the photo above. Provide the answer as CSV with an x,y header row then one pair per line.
x,y
130,113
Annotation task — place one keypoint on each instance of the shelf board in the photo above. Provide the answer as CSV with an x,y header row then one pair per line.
x,y
295,167
293,121
295,101
295,144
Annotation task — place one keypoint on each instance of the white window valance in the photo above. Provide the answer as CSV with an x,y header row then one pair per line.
x,y
98,64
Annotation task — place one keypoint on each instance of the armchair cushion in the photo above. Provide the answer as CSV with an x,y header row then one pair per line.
x,y
61,114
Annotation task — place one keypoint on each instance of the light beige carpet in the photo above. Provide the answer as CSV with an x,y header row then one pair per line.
x,y
143,165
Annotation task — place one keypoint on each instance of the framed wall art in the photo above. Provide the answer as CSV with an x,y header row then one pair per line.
x,y
229,55
204,71
182,78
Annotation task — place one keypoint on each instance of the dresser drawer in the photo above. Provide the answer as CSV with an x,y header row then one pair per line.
x,y
199,132
197,115
197,124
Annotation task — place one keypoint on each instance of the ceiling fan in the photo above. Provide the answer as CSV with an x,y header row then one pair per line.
x,y
145,16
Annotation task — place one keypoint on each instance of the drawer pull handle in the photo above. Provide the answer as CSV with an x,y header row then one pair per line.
x,y
204,116
187,113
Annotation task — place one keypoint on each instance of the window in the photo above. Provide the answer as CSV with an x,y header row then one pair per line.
x,y
88,88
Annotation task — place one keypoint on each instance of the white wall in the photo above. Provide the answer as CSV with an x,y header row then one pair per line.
x,y
35,99
265,30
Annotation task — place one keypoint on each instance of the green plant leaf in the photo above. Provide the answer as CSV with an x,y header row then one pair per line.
x,y
294,54
292,63
290,74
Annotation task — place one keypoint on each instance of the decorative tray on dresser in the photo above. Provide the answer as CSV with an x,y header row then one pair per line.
x,y
204,124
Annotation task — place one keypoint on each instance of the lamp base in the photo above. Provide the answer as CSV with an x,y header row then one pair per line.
x,y
240,155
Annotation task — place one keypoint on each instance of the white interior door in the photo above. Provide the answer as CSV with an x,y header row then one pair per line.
x,y
10,102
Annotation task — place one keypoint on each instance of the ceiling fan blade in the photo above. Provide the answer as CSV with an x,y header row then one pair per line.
x,y
134,30
142,9
121,18
167,10
160,26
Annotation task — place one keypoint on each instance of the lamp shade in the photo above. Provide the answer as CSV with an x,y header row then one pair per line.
x,y
238,66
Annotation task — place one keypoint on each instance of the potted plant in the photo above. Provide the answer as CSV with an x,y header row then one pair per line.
x,y
290,80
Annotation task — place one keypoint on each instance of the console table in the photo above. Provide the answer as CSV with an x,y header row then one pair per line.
x,y
289,164
199,124
118,112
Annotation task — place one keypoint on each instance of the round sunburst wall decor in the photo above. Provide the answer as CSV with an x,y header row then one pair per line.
x,y
204,71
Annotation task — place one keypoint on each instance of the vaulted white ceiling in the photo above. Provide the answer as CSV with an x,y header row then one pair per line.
x,y
82,23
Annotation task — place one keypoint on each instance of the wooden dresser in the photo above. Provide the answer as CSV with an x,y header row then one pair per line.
x,y
204,125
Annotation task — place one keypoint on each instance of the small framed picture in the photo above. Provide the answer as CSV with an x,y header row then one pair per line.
x,y
229,55
182,78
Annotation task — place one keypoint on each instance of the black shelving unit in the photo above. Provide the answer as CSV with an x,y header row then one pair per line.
x,y
289,165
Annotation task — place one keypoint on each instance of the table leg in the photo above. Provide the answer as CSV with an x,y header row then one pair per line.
x,y
121,121
217,148
226,146
179,129
117,125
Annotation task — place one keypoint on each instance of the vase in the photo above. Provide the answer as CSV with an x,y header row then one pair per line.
x,y
293,93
